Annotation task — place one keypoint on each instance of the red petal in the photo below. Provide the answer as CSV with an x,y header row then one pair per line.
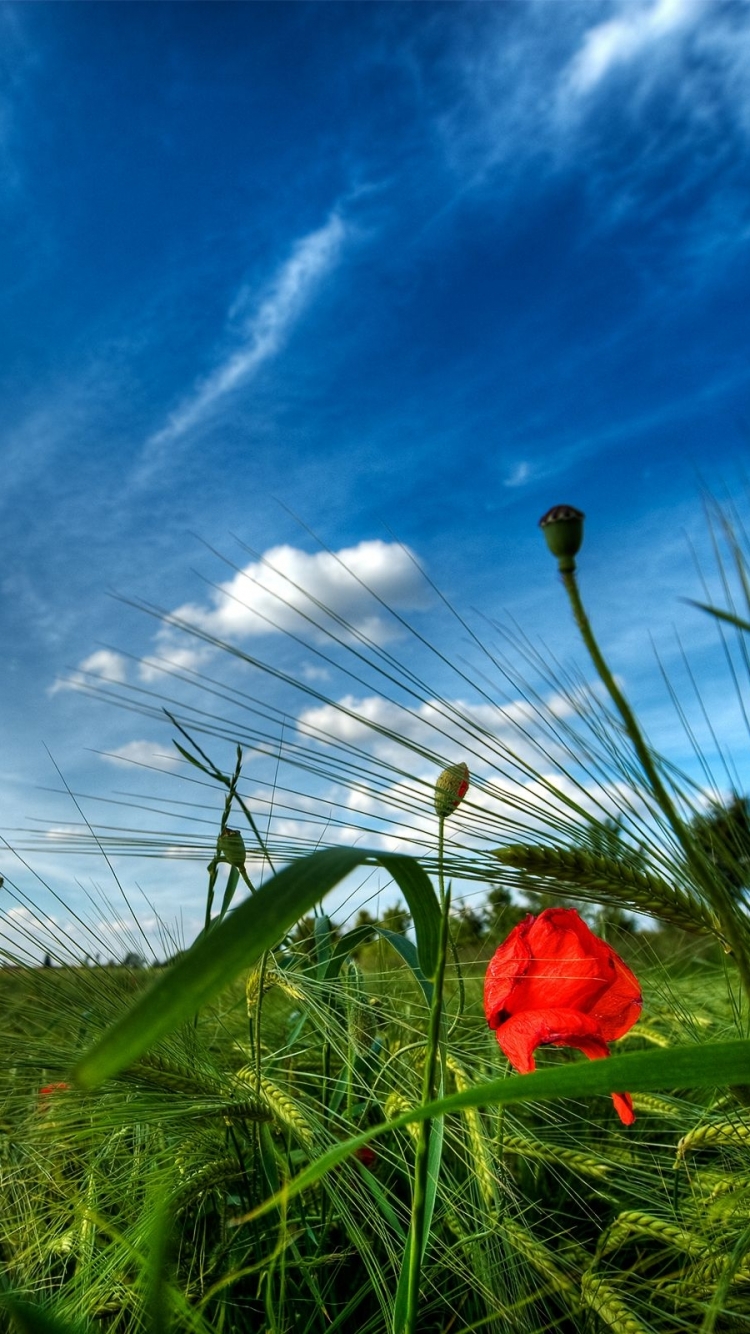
x,y
624,1107
507,966
554,961
570,968
620,1006
520,1035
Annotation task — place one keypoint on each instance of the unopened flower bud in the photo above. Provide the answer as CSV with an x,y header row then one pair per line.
x,y
563,530
451,788
230,846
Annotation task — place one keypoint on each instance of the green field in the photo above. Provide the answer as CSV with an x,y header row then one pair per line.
x,y
121,1206
290,1127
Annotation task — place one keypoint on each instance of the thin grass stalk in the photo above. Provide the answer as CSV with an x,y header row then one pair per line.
x,y
724,907
419,1199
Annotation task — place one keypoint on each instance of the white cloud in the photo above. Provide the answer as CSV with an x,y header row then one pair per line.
x,y
532,87
533,767
518,475
180,658
263,332
418,741
141,752
309,672
635,31
285,585
104,665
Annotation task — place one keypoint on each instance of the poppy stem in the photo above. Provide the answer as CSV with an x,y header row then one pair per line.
x,y
422,1161
704,874
441,852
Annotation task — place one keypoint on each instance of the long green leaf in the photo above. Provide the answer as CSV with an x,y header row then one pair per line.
x,y
700,1065
403,946
719,614
32,1319
345,947
240,940
434,1160
156,1279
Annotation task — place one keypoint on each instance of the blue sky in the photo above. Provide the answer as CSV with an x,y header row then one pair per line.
x,y
396,274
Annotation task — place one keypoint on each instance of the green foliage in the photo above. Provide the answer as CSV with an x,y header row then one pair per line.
x,y
723,834
256,926
246,1145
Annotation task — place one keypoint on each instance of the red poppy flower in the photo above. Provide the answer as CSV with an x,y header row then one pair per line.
x,y
46,1095
365,1155
53,1088
554,982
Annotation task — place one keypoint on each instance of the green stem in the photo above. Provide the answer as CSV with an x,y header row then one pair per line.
x,y
421,1163
213,871
716,893
257,1025
441,851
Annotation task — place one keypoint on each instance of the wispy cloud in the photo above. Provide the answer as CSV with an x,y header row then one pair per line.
x,y
632,33
145,753
568,87
262,333
519,475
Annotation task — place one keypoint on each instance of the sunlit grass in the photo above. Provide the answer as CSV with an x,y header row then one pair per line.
x,y
140,1204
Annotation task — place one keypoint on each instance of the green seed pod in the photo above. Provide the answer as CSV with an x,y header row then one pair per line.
x,y
451,788
563,530
230,846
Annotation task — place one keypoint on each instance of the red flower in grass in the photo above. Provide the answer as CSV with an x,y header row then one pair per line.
x,y
553,982
366,1156
50,1089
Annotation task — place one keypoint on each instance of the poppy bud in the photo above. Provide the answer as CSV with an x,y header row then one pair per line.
x,y
451,788
563,530
230,846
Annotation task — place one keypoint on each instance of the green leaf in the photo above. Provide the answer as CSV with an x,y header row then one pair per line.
x,y
29,1319
434,1159
719,614
700,1065
403,946
157,1288
323,933
192,760
346,946
229,892
239,941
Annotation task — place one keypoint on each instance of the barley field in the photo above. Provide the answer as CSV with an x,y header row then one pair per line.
x,y
294,1125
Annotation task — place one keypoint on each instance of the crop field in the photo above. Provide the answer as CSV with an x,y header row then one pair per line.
x,y
298,1126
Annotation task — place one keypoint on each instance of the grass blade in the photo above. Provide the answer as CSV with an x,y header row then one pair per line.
x,y
698,1065
30,1319
240,940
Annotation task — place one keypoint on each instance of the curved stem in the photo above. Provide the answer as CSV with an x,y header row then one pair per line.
x,y
714,891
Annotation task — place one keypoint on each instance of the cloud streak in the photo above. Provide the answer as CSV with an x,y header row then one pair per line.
x,y
263,333
628,36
